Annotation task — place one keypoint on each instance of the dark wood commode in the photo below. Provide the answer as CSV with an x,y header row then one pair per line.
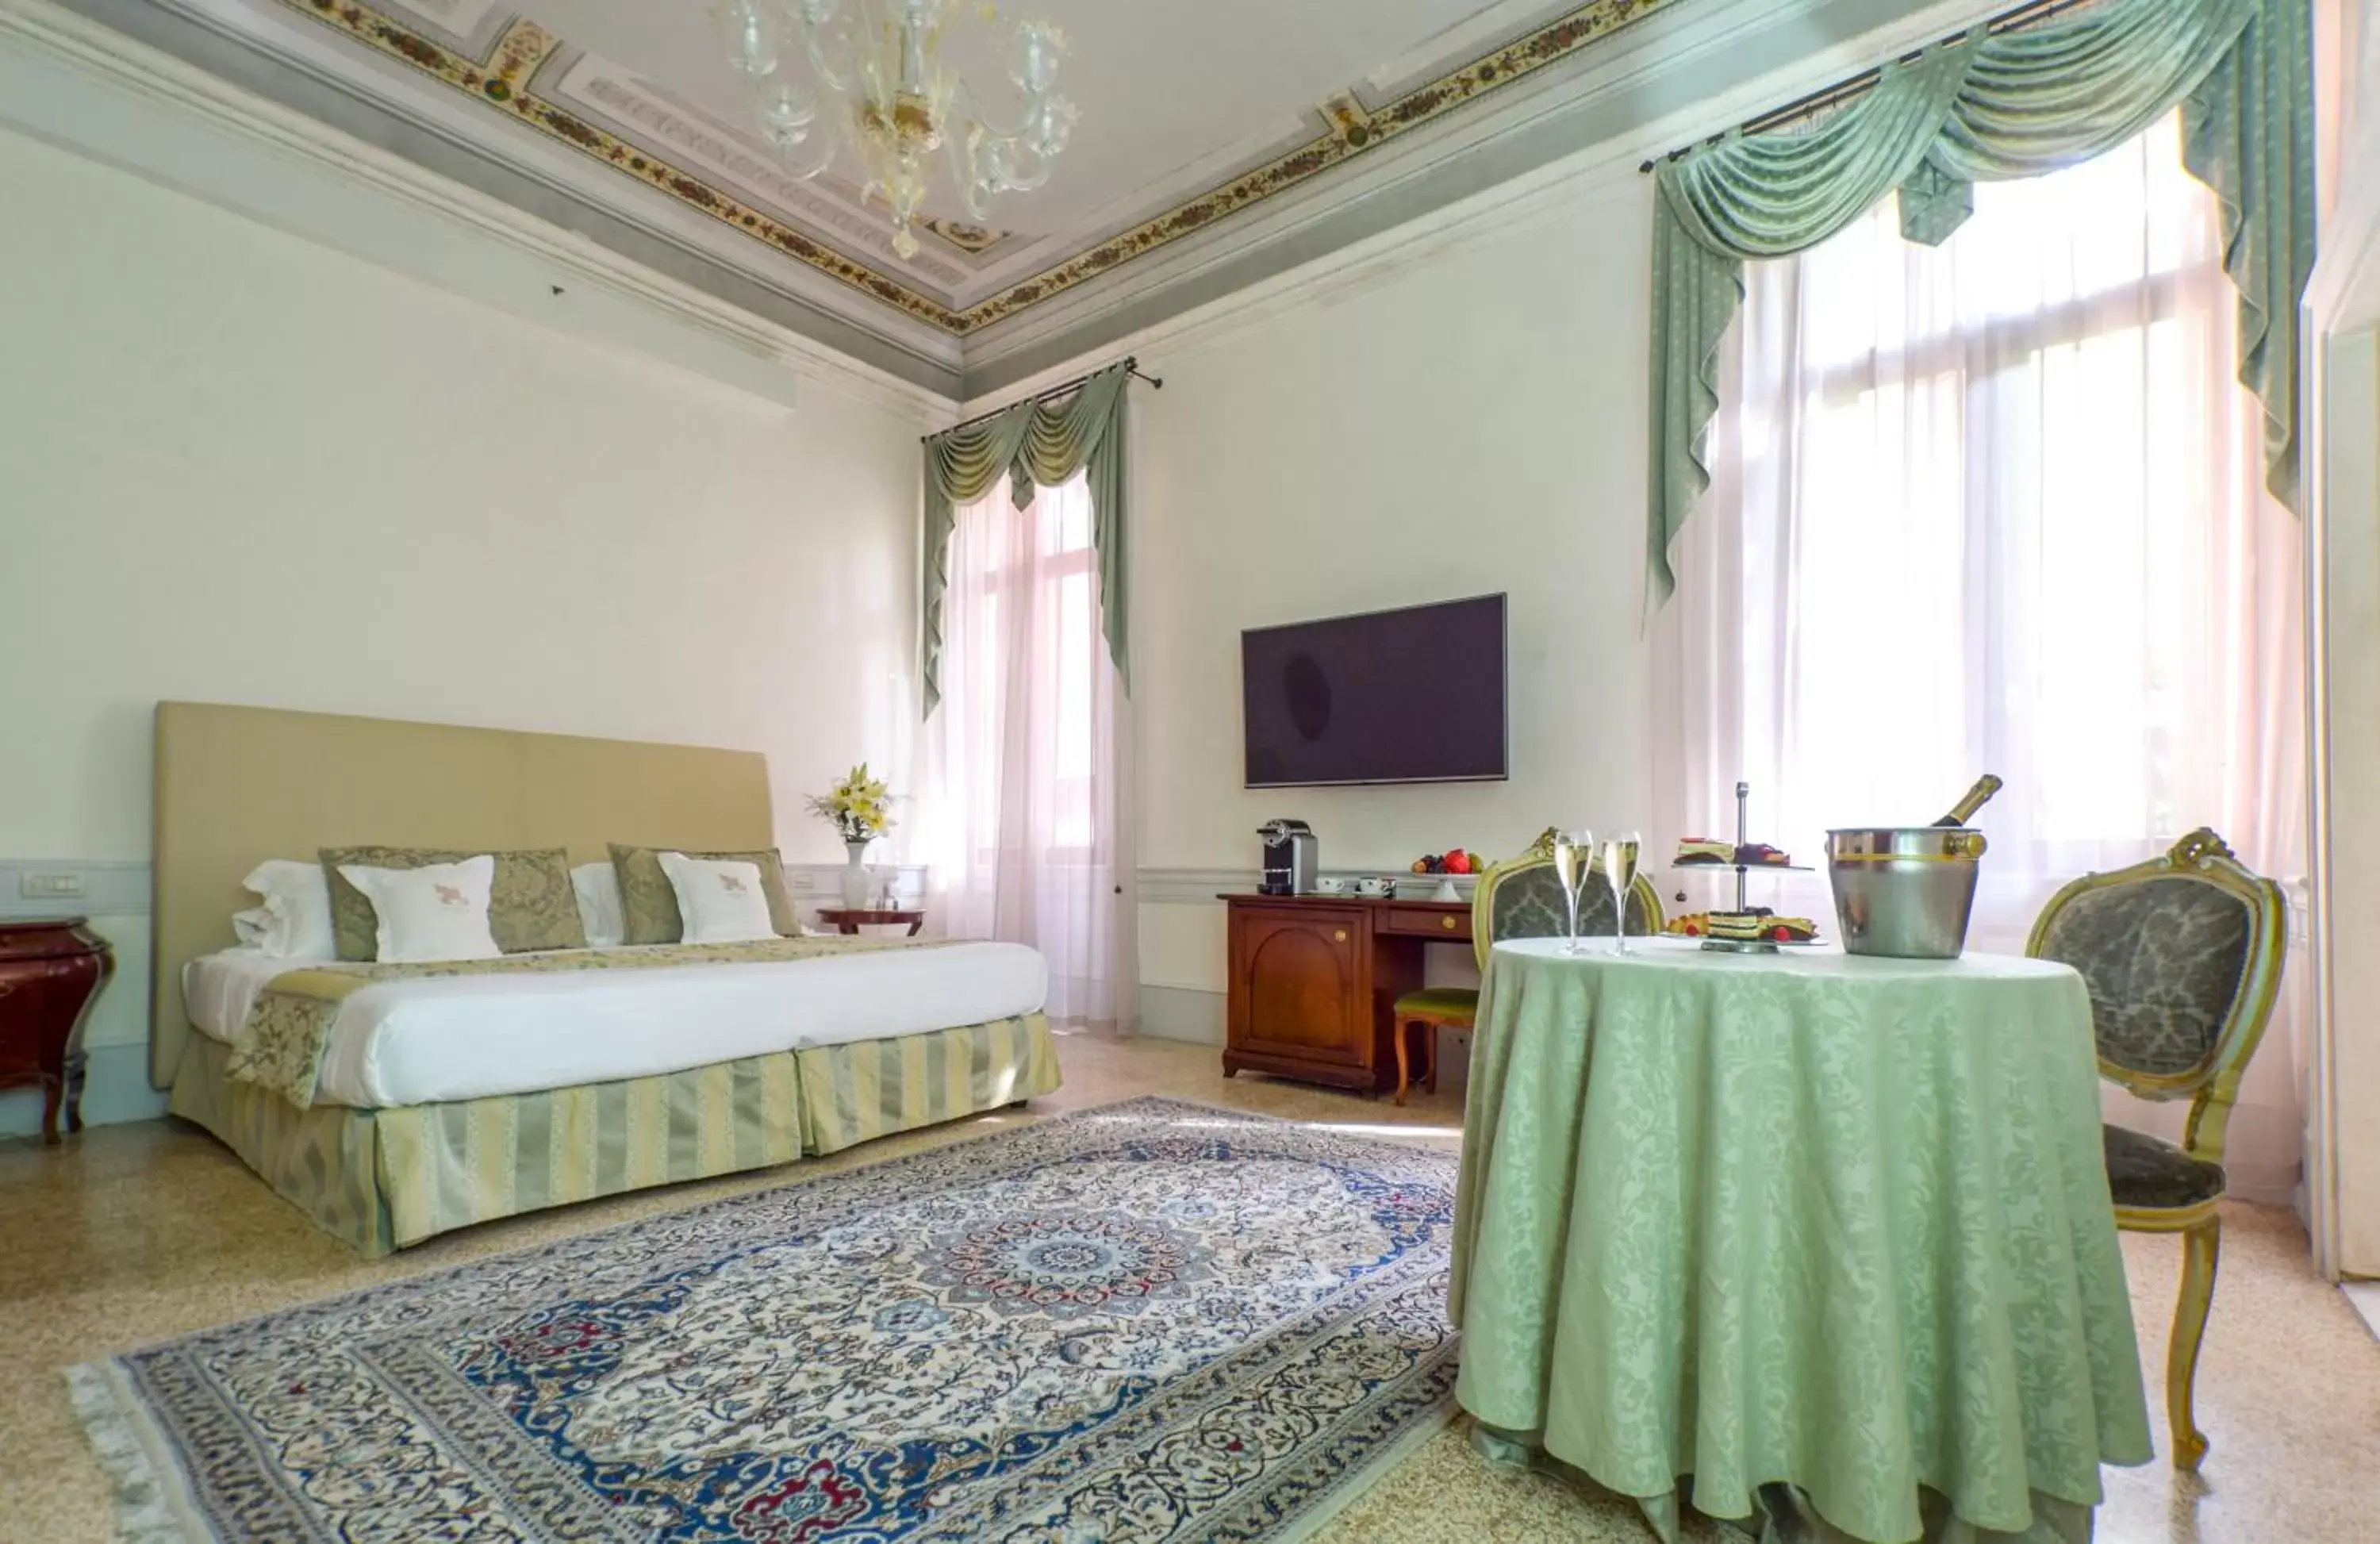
x,y
1313,978
50,972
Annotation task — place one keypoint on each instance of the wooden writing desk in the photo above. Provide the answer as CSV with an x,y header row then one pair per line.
x,y
1313,976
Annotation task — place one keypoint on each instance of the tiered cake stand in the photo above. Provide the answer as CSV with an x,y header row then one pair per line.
x,y
1743,840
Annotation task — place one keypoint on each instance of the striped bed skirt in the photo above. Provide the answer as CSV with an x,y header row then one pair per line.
x,y
384,1179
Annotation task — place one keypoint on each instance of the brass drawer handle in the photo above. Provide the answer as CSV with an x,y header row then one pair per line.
x,y
1447,922
1338,935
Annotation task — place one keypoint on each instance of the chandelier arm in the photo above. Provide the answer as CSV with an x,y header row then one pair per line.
x,y
840,84
1019,182
826,159
963,174
974,109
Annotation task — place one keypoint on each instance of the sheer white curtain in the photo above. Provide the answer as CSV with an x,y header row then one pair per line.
x,y
1027,824
1994,506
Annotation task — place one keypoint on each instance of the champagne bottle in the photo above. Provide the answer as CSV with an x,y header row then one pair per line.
x,y
1973,800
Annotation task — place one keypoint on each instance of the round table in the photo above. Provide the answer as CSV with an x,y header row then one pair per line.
x,y
1829,1235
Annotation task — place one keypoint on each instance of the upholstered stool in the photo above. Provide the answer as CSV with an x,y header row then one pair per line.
x,y
1430,1010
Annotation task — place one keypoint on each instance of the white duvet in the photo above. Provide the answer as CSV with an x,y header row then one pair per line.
x,y
465,1036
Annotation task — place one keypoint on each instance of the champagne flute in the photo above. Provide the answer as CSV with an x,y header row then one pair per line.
x,y
1574,856
1620,850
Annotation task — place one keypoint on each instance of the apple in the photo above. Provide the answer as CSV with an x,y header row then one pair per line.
x,y
1458,861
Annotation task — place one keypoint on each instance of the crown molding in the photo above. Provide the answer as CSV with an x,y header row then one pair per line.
x,y
1500,211
288,54
49,34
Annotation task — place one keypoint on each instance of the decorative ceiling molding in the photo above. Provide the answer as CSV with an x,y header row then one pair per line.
x,y
531,76
180,151
1352,130
505,80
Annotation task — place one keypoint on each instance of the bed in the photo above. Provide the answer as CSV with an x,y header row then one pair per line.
x,y
446,1101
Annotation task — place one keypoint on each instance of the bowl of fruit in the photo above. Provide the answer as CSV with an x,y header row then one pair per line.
x,y
1446,866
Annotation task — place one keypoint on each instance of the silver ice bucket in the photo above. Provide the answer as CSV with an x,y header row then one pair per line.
x,y
1904,892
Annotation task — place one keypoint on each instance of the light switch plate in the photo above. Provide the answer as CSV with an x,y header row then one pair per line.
x,y
48,887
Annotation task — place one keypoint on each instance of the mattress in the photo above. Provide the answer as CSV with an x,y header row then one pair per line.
x,y
429,1040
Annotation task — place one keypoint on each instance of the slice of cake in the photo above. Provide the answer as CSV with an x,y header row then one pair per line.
x,y
1701,849
1761,926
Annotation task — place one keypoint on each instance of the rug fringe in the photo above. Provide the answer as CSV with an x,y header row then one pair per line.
x,y
143,1513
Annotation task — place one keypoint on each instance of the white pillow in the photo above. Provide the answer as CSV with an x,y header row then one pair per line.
x,y
295,919
436,912
597,886
720,900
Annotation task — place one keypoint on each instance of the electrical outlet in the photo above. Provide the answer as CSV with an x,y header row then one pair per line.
x,y
48,887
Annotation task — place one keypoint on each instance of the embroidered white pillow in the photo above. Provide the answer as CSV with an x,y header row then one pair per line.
x,y
295,919
436,912
597,886
720,899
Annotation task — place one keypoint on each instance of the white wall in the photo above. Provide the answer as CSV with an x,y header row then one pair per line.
x,y
235,466
1474,423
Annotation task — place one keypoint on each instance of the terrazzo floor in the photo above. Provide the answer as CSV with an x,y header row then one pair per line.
x,y
133,1234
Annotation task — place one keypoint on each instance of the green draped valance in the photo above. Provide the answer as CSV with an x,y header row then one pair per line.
x,y
1035,443
1982,108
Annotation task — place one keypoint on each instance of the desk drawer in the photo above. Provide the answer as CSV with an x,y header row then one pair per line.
x,y
1450,923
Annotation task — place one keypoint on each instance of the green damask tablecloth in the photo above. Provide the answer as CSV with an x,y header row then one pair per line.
x,y
1830,1235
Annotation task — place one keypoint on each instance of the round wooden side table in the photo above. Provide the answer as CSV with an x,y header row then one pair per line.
x,y
50,972
845,919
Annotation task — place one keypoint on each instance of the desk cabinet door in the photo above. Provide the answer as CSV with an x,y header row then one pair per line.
x,y
1299,985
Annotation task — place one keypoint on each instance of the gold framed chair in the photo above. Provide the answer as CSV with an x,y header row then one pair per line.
x,y
1519,898
2182,956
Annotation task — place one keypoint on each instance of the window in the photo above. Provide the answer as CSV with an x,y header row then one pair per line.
x,y
1029,828
1996,505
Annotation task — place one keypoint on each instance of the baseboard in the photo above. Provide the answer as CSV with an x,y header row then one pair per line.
x,y
1182,1014
116,1090
2364,1298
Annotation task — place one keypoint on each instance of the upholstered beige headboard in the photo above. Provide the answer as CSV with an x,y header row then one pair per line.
x,y
237,785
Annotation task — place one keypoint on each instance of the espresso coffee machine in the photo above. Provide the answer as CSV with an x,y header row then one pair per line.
x,y
1288,858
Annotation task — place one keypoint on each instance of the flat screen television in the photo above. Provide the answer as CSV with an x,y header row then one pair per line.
x,y
1415,695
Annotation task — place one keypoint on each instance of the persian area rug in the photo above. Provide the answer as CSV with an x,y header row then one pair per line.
x,y
1150,1322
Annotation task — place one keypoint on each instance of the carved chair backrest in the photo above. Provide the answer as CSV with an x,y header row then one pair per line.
x,y
2182,957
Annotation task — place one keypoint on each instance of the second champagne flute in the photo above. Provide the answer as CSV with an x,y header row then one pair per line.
x,y
1620,850
1574,856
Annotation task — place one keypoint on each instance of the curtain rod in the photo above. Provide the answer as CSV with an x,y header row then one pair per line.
x,y
1131,368
1843,90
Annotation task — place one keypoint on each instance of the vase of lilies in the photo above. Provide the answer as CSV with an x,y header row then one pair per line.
x,y
860,811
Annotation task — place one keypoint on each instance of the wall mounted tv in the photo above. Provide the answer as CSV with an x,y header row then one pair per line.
x,y
1409,696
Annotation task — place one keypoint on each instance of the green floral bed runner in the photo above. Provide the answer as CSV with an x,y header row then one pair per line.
x,y
281,1045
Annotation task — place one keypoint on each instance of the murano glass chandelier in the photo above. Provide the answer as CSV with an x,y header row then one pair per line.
x,y
900,103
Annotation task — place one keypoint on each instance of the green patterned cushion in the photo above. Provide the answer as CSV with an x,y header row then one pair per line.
x,y
648,907
2146,1171
2162,959
530,905
1439,1001
1528,903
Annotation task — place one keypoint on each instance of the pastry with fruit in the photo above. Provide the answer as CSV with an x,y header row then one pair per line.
x,y
1693,850
1760,855
1761,926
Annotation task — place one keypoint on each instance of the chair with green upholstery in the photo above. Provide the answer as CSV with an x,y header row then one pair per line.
x,y
1522,898
2182,957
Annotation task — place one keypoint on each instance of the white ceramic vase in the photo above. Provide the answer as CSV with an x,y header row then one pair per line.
x,y
858,886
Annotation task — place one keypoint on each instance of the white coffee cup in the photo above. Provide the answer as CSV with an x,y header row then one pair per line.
x,y
1330,884
1373,885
